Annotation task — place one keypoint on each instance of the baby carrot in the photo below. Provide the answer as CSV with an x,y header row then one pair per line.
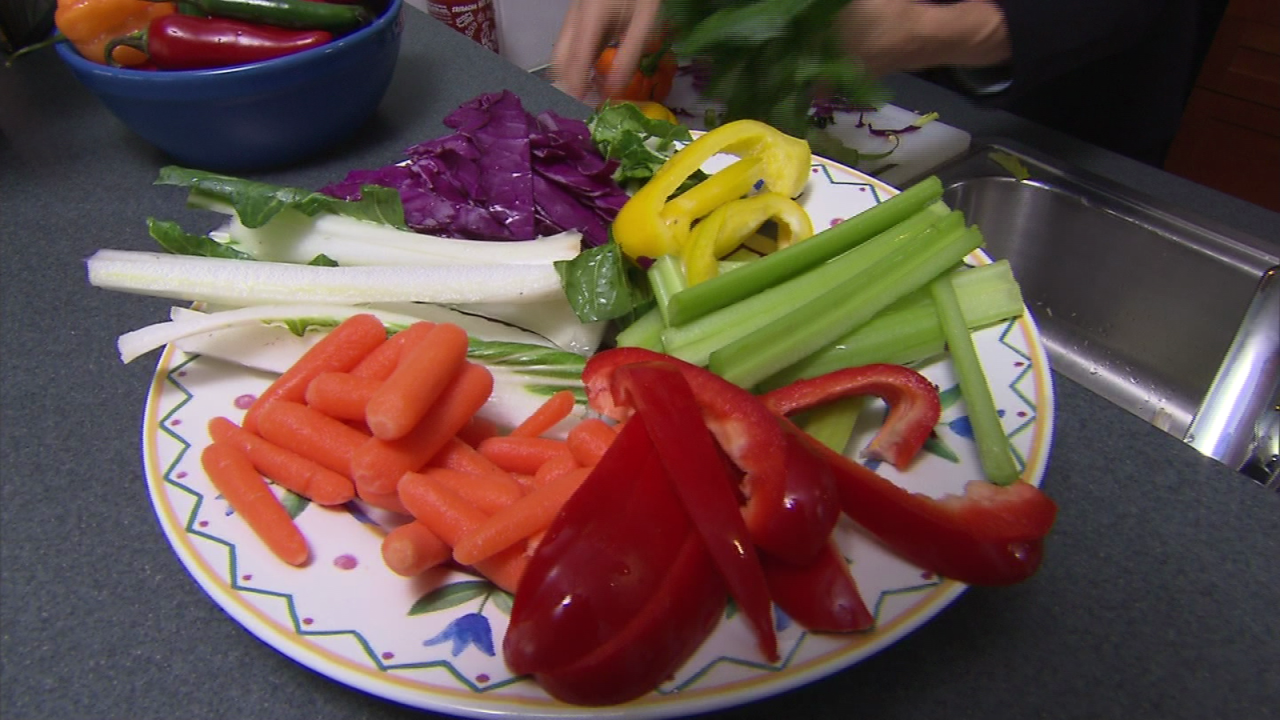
x,y
477,429
589,439
411,549
450,518
556,408
285,467
377,464
442,510
521,454
488,492
554,468
311,434
424,371
457,455
505,568
344,346
384,501
378,364
342,395
249,495
528,515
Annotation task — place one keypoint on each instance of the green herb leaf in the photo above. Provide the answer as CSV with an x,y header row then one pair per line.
x,y
180,242
769,60
601,283
257,202
639,143
323,260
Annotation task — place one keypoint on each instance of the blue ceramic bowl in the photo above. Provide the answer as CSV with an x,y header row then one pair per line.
x,y
255,116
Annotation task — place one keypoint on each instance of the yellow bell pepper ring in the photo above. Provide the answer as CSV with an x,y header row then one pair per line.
x,y
734,223
645,227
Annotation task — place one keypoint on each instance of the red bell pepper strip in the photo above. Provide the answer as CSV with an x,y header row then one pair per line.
x,y
790,502
914,408
991,535
188,42
688,452
820,595
621,590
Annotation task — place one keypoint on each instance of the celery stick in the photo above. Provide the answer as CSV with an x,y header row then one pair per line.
x,y
666,278
993,444
695,341
832,423
774,268
812,326
908,331
645,332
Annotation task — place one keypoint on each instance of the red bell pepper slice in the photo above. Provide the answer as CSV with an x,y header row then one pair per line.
x,y
912,398
790,502
621,590
820,595
991,535
688,452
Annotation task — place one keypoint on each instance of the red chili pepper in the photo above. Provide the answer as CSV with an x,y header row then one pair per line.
x,y
790,502
621,590
912,399
688,452
188,42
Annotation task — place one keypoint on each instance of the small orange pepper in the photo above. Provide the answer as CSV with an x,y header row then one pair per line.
x,y
90,24
652,80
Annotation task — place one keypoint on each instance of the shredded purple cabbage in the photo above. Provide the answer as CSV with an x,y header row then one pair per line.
x,y
503,174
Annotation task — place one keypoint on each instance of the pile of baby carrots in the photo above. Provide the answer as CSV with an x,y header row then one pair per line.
x,y
393,421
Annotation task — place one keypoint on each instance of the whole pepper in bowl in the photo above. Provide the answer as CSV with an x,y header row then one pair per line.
x,y
90,24
187,42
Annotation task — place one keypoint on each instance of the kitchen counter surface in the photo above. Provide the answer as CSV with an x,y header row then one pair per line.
x,y
1160,595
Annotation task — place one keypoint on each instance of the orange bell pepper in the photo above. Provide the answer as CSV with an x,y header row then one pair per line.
x,y
652,80
90,24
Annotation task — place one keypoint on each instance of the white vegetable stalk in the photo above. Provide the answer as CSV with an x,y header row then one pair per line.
x,y
294,237
236,282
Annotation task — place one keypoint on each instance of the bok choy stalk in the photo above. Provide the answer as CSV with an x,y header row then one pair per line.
x,y
234,282
526,371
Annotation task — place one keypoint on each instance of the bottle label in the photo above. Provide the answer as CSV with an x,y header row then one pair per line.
x,y
476,19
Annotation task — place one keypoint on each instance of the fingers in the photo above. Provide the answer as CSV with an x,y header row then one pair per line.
x,y
632,46
570,71
591,24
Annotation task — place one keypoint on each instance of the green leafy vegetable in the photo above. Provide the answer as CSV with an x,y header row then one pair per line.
x,y
601,283
769,60
180,242
639,143
257,202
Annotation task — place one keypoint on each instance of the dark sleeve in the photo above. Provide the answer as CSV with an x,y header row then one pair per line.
x,y
1051,38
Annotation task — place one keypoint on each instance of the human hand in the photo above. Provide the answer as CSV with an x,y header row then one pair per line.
x,y
588,27
900,35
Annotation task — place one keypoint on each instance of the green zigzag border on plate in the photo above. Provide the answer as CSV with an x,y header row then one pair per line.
x,y
826,170
795,649
189,526
1028,371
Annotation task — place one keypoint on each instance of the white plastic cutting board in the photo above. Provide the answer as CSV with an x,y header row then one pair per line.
x,y
918,152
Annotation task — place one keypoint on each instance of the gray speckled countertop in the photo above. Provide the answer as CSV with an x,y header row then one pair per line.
x,y
1160,596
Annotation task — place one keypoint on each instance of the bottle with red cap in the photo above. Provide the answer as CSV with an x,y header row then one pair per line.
x,y
477,19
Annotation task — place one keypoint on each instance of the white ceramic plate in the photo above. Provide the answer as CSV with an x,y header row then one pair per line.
x,y
436,642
